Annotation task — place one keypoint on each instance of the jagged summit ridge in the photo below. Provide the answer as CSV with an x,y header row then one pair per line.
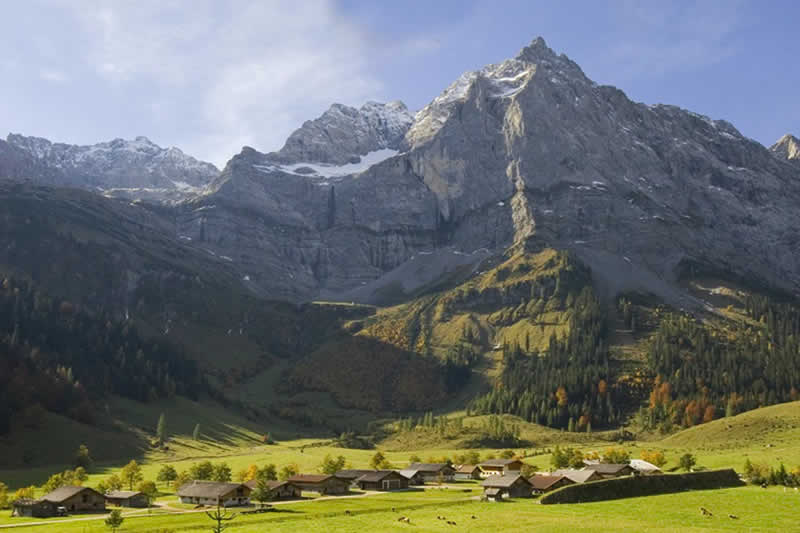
x,y
118,165
502,80
342,134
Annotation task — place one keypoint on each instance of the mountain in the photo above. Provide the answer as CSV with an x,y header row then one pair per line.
x,y
526,149
539,245
787,147
136,169
343,134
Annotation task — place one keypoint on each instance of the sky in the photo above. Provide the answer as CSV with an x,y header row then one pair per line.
x,y
210,77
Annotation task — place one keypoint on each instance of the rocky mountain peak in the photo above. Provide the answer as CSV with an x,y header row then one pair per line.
x,y
787,147
135,168
343,134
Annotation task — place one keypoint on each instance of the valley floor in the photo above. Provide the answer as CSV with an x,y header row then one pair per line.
x,y
755,509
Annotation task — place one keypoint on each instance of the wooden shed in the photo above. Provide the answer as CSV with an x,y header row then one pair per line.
x,y
383,480
321,484
513,486
126,498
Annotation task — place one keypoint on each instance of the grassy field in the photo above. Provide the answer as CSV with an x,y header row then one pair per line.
x,y
756,510
767,435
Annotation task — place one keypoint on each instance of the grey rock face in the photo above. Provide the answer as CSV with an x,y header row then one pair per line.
x,y
134,168
526,150
343,134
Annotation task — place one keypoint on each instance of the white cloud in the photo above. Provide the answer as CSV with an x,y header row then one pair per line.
x,y
236,73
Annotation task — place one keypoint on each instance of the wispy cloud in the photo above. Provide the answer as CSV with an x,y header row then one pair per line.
x,y
236,73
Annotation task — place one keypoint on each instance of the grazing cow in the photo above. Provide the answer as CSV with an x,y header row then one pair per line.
x,y
347,512
474,517
733,517
706,512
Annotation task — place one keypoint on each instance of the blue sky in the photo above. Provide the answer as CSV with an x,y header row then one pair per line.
x,y
210,77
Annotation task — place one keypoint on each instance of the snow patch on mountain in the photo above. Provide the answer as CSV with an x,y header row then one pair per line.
x,y
323,170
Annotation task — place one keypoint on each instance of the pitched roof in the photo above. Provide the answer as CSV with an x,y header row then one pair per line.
x,y
503,481
64,493
494,491
377,475
644,466
545,482
499,462
311,478
466,469
607,468
352,473
577,476
409,472
207,489
122,494
271,484
427,467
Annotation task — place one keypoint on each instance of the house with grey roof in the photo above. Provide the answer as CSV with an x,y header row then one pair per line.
x,y
433,471
382,480
607,470
496,488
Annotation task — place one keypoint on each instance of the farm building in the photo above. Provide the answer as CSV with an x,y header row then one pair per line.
x,y
352,475
281,490
413,476
542,484
126,498
644,468
578,476
383,480
76,499
500,467
511,486
322,484
34,508
467,472
607,471
433,471
214,492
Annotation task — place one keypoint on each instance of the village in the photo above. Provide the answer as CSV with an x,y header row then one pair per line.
x,y
499,479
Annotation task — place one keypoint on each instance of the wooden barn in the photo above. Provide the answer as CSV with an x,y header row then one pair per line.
x,y
321,484
126,498
514,486
383,480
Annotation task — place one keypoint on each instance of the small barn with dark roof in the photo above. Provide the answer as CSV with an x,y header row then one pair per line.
x,y
606,471
512,486
499,467
33,508
433,471
382,480
542,484
76,499
320,483
281,490
126,498
215,493
467,472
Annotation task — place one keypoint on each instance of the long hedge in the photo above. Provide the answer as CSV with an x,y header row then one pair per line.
x,y
632,486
